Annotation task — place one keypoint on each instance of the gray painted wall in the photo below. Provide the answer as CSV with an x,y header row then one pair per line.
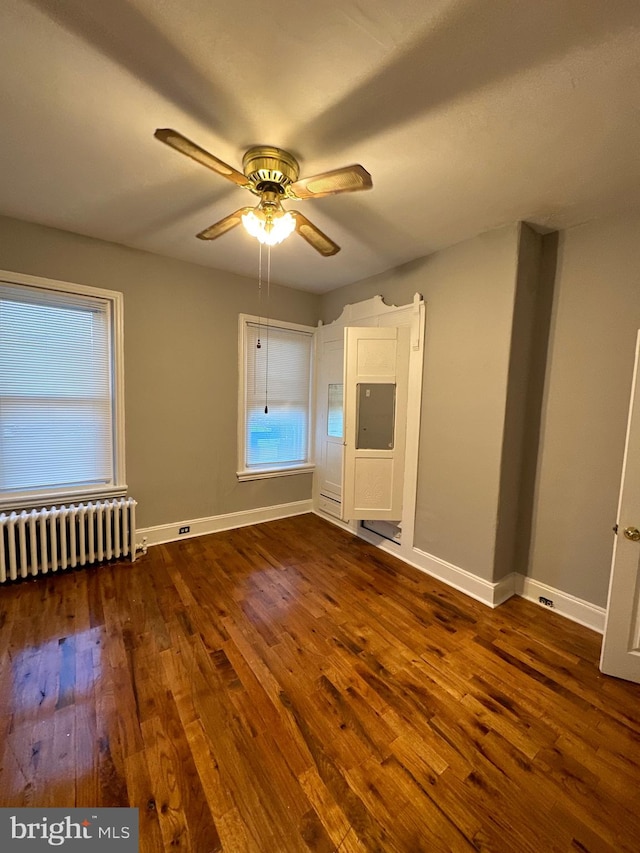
x,y
181,345
469,291
596,315
522,411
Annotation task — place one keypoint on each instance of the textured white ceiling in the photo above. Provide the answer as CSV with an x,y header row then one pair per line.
x,y
467,113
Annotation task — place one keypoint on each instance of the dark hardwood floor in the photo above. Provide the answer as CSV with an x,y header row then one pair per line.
x,y
286,687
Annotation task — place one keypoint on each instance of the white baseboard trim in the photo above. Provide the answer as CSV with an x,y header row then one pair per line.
x,y
487,592
216,523
505,589
576,609
491,594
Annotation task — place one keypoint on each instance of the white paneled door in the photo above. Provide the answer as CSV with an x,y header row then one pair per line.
x,y
375,415
621,643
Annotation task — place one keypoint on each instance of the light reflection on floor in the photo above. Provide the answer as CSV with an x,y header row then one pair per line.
x,y
52,733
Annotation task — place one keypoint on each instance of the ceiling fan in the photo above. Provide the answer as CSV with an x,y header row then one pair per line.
x,y
272,174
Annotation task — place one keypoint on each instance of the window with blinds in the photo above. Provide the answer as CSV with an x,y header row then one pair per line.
x,y
57,394
275,398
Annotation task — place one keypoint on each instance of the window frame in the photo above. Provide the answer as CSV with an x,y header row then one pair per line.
x,y
243,472
115,319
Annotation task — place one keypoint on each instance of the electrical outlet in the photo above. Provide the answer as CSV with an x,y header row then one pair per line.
x,y
184,530
547,601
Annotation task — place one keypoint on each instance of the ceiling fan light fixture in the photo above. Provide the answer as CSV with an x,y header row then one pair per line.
x,y
273,175
268,229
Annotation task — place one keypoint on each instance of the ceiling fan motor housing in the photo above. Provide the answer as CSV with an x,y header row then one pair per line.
x,y
270,168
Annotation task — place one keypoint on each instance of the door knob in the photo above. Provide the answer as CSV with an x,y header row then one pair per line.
x,y
632,533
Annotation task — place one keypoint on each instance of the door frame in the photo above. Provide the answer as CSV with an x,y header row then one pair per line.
x,y
374,312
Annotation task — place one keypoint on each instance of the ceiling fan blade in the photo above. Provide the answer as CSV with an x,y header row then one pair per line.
x,y
186,146
346,180
224,225
314,236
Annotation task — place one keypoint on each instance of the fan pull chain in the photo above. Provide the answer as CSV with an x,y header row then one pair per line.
x,y
258,342
266,377
259,345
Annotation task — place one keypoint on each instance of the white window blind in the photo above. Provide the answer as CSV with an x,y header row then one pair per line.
x,y
56,391
277,377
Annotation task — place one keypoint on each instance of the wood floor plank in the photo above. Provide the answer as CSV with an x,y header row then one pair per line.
x,y
17,785
184,817
387,790
287,687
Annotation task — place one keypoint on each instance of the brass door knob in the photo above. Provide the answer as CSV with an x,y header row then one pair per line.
x,y
632,533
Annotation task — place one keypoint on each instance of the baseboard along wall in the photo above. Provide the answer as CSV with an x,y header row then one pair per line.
x,y
216,523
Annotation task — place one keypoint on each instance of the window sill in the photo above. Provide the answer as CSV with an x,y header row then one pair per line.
x,y
48,499
282,471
